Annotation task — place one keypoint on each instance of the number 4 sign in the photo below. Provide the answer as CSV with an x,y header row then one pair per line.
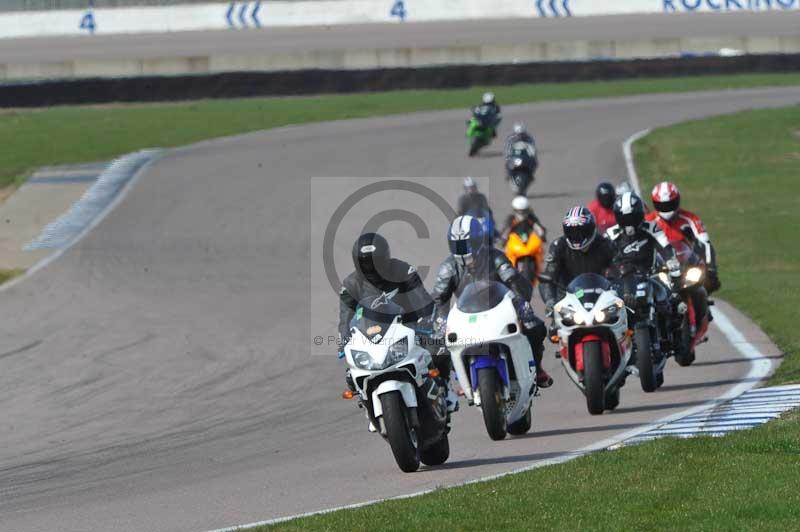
x,y
398,10
87,22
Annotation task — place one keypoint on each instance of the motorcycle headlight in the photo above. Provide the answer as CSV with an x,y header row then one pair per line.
x,y
664,278
693,275
609,314
397,352
567,316
517,162
363,360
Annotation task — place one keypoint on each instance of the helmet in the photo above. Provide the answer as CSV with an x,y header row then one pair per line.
x,y
371,256
629,210
470,185
666,199
519,128
488,98
521,206
465,239
580,229
623,187
606,194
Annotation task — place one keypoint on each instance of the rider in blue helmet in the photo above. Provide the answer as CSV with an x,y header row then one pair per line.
x,y
470,260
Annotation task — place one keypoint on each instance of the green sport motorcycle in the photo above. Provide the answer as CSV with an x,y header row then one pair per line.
x,y
481,128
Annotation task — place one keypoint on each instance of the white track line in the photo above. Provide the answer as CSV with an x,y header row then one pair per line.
x,y
152,154
760,368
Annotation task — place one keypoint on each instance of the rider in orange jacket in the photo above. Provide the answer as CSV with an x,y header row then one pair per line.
x,y
680,224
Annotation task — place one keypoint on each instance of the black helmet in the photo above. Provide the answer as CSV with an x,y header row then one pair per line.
x,y
371,256
580,228
629,210
606,194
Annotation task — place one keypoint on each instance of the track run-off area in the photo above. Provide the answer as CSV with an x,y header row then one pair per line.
x,y
161,374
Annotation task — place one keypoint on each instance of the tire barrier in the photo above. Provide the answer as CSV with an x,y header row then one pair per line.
x,y
321,81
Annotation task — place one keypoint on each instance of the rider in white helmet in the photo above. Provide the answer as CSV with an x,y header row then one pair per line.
x,y
519,134
522,213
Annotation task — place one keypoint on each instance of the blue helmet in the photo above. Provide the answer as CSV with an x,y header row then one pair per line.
x,y
466,239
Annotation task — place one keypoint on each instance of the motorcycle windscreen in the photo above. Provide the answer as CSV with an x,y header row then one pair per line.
x,y
684,252
374,316
587,287
481,296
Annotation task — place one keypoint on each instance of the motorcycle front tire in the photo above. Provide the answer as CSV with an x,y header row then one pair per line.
x,y
402,437
493,405
644,360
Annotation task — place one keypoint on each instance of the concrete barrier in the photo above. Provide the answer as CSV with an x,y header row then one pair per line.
x,y
318,81
262,14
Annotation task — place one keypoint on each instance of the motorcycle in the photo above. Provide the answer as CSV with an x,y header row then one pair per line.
x,y
525,251
648,302
521,165
595,347
492,358
691,311
398,385
481,128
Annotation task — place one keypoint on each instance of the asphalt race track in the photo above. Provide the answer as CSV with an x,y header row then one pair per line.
x,y
158,376
770,26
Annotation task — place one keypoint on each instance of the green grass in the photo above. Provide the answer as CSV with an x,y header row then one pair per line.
x,y
742,173
81,134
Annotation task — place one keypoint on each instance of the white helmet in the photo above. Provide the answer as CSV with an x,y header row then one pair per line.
x,y
488,98
519,128
470,184
521,206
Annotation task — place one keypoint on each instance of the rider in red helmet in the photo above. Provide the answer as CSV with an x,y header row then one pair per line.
x,y
680,224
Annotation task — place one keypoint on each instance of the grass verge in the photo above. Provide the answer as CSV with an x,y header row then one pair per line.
x,y
741,172
64,135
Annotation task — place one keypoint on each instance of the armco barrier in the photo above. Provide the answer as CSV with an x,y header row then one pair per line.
x,y
255,14
299,82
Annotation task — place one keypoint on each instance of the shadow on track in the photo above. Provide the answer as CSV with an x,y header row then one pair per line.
x,y
660,406
705,384
477,462
732,361
576,430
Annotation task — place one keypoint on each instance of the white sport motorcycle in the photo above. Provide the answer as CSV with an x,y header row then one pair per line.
x,y
594,340
492,358
398,385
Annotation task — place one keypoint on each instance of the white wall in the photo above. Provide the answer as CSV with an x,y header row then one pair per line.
x,y
300,13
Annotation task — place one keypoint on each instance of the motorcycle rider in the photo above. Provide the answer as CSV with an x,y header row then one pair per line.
x,y
377,273
472,200
472,260
522,214
579,251
639,245
519,134
489,105
602,206
680,224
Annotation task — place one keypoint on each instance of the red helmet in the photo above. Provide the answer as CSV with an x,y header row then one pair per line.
x,y
666,199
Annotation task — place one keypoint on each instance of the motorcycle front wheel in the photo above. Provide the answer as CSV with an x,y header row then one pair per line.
x,y
684,355
593,378
644,360
493,405
522,425
437,453
402,437
527,268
